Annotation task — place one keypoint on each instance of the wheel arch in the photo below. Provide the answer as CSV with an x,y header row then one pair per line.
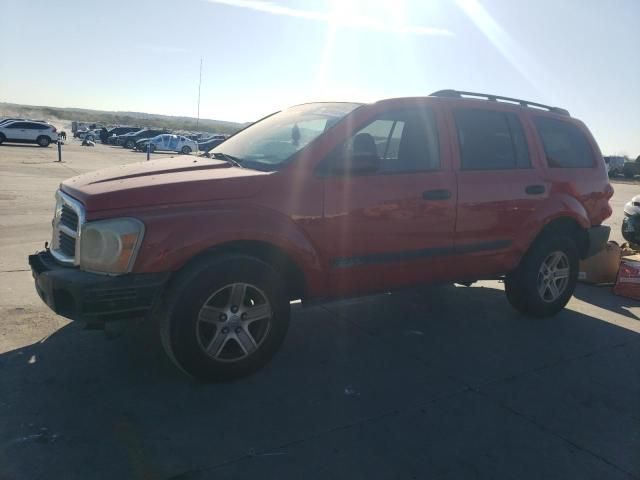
x,y
567,226
271,254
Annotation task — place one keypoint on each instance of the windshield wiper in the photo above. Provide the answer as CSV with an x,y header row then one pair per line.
x,y
235,161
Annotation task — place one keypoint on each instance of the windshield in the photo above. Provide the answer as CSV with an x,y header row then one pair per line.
x,y
268,144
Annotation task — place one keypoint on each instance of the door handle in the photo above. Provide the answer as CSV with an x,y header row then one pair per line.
x,y
535,189
436,195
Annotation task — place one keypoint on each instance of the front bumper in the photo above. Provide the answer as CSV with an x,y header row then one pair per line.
x,y
91,297
597,238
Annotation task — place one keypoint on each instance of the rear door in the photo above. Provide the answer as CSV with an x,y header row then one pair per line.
x,y
393,227
499,188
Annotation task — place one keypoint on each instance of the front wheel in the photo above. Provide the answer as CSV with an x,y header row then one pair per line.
x,y
43,141
225,317
546,278
186,150
2,138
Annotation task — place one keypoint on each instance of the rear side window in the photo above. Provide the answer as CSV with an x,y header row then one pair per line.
x,y
17,125
565,145
491,140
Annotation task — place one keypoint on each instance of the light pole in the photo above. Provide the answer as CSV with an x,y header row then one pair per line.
x,y
199,85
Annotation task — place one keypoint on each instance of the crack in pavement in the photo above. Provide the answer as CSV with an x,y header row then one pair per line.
x,y
511,378
555,434
374,418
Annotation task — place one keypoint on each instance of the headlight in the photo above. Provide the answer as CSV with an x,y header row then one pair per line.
x,y
110,246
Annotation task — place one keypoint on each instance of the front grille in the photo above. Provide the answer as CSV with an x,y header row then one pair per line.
x,y
67,244
67,223
69,218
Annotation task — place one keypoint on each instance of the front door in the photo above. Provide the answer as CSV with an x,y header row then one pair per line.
x,y
391,227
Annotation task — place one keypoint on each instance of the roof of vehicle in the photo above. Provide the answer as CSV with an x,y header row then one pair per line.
x,y
498,98
11,122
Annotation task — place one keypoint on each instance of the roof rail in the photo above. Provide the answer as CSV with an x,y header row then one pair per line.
x,y
496,98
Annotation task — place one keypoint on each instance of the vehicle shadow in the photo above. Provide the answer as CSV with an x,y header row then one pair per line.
x,y
603,297
77,405
24,145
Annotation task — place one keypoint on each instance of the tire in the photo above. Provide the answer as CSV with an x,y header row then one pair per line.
x,y
152,148
129,144
2,138
43,141
542,292
186,150
199,315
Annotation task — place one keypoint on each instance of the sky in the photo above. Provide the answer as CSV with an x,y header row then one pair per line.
x,y
262,56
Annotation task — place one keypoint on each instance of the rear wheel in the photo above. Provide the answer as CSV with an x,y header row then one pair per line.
x,y
225,317
129,144
2,138
546,278
43,141
152,148
186,150
628,172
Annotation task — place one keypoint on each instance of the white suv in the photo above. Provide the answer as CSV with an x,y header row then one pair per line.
x,y
28,132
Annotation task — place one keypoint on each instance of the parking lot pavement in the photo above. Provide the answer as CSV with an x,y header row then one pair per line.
x,y
444,382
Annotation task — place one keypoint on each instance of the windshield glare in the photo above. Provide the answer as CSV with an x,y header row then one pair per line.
x,y
271,142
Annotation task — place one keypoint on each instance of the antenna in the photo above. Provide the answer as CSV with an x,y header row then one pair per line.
x,y
199,85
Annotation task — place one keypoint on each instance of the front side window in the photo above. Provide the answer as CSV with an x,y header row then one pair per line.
x,y
490,140
404,140
269,143
565,145
17,125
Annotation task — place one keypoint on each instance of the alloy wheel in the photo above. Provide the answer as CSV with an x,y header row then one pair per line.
x,y
233,322
553,276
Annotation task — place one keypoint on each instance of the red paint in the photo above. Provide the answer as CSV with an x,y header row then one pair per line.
x,y
190,205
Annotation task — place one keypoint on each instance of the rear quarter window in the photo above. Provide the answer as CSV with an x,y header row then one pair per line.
x,y
565,144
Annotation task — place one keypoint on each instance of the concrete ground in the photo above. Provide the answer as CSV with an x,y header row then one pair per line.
x,y
440,383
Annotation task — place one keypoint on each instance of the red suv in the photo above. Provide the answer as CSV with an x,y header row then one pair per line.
x,y
327,200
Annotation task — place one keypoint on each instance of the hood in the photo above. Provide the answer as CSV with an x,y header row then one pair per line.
x,y
168,181
633,207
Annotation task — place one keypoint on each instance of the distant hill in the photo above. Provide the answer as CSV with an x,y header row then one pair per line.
x,y
117,118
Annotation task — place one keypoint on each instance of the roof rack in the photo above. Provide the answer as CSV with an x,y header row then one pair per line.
x,y
498,98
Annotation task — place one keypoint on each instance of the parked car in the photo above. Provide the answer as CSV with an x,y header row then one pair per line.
x,y
329,200
82,127
114,132
28,132
130,139
615,165
90,135
121,139
631,221
631,169
173,143
210,143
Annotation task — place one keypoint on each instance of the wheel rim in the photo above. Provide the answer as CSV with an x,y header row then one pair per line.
x,y
234,322
186,150
43,141
553,276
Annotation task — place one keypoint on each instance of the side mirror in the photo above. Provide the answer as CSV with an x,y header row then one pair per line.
x,y
356,163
